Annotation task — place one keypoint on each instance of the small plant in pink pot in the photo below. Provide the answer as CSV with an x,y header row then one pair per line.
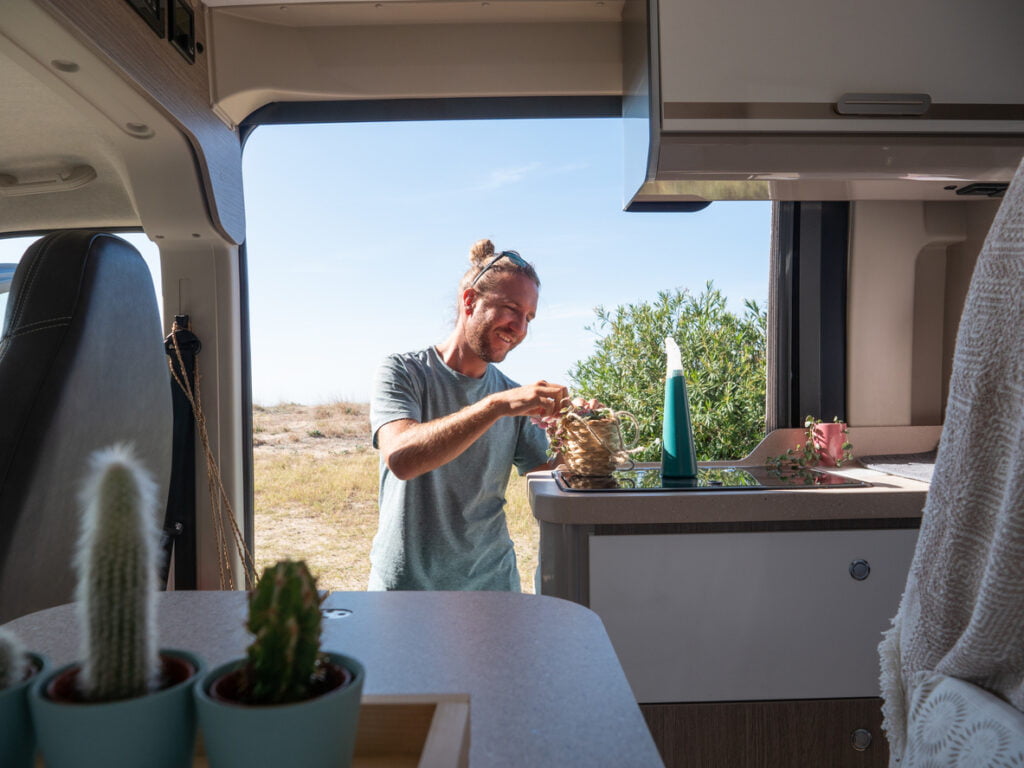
x,y
830,441
825,444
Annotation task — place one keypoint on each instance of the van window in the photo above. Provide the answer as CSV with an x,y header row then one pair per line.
x,y
6,274
357,235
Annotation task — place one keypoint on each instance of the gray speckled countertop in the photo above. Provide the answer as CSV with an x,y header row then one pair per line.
x,y
546,688
888,496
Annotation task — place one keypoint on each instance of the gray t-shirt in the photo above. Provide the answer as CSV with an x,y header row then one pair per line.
x,y
446,528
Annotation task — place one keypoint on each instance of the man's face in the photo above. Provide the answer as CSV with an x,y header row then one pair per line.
x,y
499,318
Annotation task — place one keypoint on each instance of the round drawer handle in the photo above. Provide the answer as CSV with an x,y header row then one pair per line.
x,y
861,739
860,569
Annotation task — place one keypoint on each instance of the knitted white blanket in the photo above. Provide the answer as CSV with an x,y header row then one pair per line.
x,y
962,613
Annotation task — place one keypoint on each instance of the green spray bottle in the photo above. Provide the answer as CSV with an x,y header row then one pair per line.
x,y
678,458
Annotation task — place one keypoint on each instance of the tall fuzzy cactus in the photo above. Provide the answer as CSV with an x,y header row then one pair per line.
x,y
14,661
117,560
284,616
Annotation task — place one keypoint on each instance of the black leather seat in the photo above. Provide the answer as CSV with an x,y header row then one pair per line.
x,y
82,367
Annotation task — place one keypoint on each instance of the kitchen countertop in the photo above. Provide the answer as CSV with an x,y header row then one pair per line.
x,y
888,496
545,685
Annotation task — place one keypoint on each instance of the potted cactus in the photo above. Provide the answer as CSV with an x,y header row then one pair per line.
x,y
286,702
17,668
125,702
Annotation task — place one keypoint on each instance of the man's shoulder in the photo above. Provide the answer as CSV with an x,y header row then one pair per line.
x,y
419,358
421,368
416,354
400,386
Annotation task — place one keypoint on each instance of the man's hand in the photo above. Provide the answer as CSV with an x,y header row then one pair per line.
x,y
410,448
541,399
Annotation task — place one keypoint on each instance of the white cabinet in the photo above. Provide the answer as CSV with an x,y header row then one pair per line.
x,y
821,99
749,616
733,65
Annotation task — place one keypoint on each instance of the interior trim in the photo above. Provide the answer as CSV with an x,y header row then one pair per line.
x,y
792,110
178,88
810,332
470,108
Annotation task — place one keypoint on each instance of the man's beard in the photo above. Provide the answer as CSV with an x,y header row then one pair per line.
x,y
481,344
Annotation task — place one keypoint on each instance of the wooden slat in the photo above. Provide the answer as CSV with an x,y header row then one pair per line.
x,y
767,734
448,737
389,728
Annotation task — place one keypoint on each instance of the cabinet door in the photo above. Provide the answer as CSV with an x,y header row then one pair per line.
x,y
734,65
749,616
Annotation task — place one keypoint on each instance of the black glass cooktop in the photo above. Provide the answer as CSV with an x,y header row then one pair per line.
x,y
708,479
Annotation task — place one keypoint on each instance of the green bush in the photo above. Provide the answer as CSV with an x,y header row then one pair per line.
x,y
723,361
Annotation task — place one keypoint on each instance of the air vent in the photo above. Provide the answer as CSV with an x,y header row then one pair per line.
x,y
984,189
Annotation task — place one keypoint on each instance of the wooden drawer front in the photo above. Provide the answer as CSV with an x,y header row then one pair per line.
x,y
749,616
769,734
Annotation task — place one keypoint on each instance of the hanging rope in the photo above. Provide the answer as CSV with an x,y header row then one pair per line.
x,y
220,505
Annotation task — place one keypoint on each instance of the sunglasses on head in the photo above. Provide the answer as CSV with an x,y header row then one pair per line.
x,y
512,256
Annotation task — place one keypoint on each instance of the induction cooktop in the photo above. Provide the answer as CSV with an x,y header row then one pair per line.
x,y
708,479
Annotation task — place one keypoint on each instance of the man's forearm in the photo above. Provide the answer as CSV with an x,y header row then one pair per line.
x,y
420,448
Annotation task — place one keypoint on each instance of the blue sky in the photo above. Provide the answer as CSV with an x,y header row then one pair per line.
x,y
357,235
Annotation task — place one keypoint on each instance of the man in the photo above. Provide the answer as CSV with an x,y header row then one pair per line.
x,y
450,427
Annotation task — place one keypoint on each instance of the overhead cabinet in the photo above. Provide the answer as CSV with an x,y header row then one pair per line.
x,y
821,99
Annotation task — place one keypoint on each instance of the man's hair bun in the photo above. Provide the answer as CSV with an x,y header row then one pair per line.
x,y
481,251
482,257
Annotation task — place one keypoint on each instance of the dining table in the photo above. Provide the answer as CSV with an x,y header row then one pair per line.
x,y
542,681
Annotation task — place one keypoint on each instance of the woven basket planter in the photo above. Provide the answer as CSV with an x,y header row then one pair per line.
x,y
594,448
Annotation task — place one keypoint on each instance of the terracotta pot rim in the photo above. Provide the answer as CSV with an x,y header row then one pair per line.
x,y
231,668
64,676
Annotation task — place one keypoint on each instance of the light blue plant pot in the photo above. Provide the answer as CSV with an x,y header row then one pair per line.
x,y
316,733
156,730
17,737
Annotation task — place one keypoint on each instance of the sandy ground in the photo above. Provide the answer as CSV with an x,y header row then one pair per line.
x,y
318,430
331,527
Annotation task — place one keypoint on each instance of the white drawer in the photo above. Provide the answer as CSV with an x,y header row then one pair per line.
x,y
748,616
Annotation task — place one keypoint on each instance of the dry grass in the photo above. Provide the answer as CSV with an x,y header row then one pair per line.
x,y
523,528
316,493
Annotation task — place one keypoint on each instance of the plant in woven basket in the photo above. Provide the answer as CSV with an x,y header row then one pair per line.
x,y
284,660
824,444
588,436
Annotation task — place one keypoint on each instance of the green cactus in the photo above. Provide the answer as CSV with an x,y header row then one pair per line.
x,y
14,661
117,562
284,616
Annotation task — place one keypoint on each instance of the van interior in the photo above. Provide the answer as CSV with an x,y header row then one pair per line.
x,y
885,136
